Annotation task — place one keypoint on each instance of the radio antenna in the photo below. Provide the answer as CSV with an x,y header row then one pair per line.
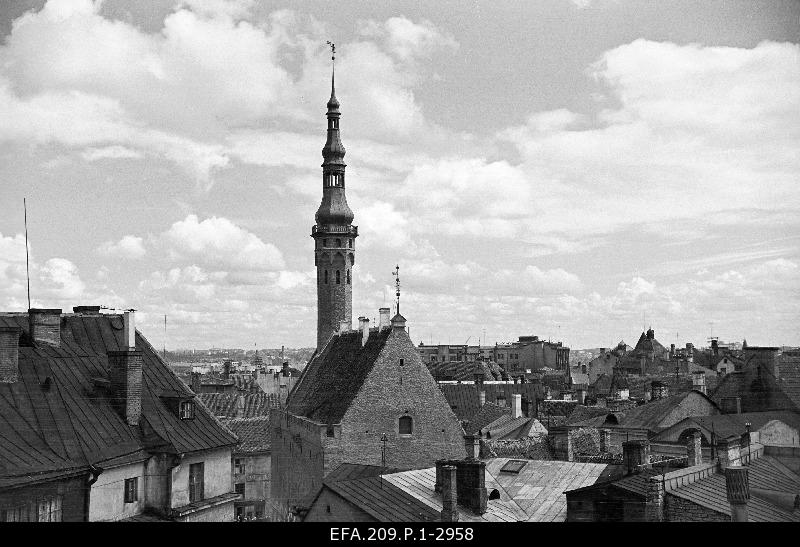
x,y
27,259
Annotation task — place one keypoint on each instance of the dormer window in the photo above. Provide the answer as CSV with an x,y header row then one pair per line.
x,y
186,410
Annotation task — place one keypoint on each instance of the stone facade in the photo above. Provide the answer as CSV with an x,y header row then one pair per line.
x,y
680,510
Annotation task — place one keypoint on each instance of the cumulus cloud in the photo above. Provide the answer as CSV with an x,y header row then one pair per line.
x,y
219,242
129,247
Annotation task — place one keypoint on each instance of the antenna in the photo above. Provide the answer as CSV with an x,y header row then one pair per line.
x,y
27,261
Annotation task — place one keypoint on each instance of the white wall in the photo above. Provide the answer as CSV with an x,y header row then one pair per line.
x,y
217,475
107,496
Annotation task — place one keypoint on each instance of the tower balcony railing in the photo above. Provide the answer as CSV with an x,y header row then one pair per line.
x,y
334,229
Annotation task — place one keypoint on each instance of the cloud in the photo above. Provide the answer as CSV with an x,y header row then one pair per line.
x,y
408,40
129,247
219,242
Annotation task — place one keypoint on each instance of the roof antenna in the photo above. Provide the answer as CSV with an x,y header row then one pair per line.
x,y
396,274
27,261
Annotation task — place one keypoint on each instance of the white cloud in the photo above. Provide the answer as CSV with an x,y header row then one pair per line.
x,y
110,152
129,247
408,40
218,242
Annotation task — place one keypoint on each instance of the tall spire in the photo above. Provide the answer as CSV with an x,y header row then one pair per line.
x,y
333,103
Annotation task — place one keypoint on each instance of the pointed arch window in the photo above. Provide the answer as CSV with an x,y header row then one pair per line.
x,y
338,277
348,277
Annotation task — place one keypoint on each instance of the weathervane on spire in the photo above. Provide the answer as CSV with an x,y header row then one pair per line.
x,y
396,274
333,49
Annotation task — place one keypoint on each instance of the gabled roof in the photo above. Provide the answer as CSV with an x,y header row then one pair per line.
x,y
488,413
651,415
330,382
253,433
725,425
459,370
464,399
225,404
67,424
582,413
350,471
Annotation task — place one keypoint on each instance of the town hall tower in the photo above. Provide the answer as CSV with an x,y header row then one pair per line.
x,y
334,236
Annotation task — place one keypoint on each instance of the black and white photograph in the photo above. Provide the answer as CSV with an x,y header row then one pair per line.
x,y
401,268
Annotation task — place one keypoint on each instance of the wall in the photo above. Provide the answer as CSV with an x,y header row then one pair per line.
x,y
157,483
788,456
694,404
107,496
777,433
217,475
258,469
389,392
72,491
680,510
341,510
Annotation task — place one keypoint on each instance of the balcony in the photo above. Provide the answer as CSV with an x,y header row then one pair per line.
x,y
334,229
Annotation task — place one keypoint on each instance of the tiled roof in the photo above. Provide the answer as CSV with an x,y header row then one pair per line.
x,y
253,433
464,399
582,413
225,404
725,425
330,382
384,501
349,471
650,416
43,429
488,413
458,370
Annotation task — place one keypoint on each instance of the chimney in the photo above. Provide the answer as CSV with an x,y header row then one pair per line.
x,y
478,379
699,381
285,369
728,453
9,354
694,449
731,405
501,400
363,325
129,322
86,310
636,455
658,390
672,350
196,382
581,395
344,325
472,444
516,405
689,352
383,321
125,372
45,325
226,369
737,487
240,405
449,493
605,441
715,348
482,397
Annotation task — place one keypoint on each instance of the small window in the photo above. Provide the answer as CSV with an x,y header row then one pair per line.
x,y
338,277
196,482
187,410
132,490
402,362
50,509
239,488
326,277
406,425
513,466
239,466
348,277
350,243
328,509
338,242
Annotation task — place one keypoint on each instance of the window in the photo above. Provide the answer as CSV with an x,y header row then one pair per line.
x,y
406,425
239,488
513,466
326,277
20,513
348,277
350,243
186,410
195,482
239,466
328,509
338,242
402,362
338,278
50,509
132,490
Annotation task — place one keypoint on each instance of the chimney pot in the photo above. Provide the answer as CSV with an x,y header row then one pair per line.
x,y
472,444
694,448
449,493
516,405
129,322
45,325
383,321
364,326
737,488
9,354
125,372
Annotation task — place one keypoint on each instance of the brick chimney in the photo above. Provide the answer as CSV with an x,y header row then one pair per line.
x,y
196,382
9,354
699,381
383,318
45,325
344,325
363,325
472,444
449,493
516,405
605,441
125,372
636,455
500,400
469,485
226,369
728,451
694,448
737,488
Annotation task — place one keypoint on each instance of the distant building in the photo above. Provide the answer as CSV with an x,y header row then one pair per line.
x,y
768,380
251,469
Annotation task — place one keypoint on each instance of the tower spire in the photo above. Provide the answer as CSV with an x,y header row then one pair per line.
x,y
333,73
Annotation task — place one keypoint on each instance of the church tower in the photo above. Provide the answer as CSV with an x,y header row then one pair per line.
x,y
334,234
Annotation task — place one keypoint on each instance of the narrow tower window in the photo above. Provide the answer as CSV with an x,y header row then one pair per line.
x,y
350,243
348,277
338,242
326,277
338,280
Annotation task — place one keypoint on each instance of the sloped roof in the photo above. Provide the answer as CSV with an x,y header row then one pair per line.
x,y
582,413
459,370
57,428
464,399
225,404
253,433
488,413
725,425
650,416
349,471
330,382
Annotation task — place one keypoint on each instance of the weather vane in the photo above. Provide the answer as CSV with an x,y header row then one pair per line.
x,y
333,49
396,274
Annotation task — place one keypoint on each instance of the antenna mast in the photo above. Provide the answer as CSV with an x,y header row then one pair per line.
x,y
27,260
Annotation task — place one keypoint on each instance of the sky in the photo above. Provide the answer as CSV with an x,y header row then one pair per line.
x,y
573,169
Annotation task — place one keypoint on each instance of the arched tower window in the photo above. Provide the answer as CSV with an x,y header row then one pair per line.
x,y
406,425
338,278
350,243
348,277
326,277
324,242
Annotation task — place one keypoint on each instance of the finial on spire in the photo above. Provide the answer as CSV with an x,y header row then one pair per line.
x,y
396,274
333,102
